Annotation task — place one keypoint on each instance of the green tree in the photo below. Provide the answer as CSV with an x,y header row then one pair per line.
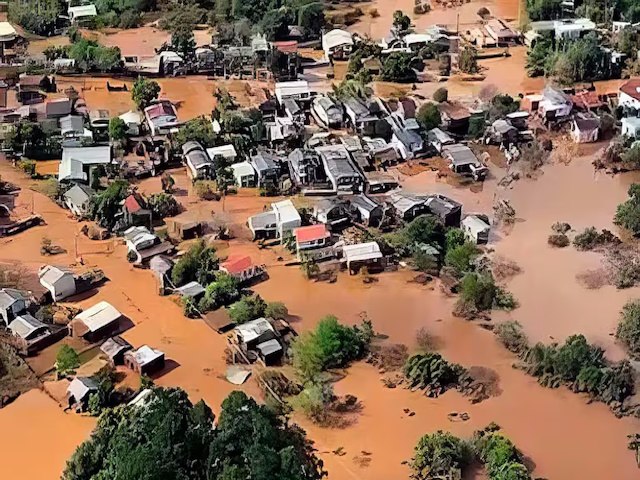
x,y
441,95
163,205
247,308
183,42
117,129
429,116
544,9
106,204
144,92
277,310
401,21
628,213
172,438
628,331
468,60
197,129
311,18
460,258
67,360
400,67
439,454
198,264
540,57
225,289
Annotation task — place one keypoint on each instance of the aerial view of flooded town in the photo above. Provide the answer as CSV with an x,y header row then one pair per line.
x,y
307,239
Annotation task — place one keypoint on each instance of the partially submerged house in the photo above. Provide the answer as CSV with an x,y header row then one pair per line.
x,y
306,168
133,120
142,245
464,162
260,337
327,112
555,104
362,255
313,242
12,303
294,90
332,212
58,107
60,282
78,199
228,152
97,322
407,206
629,94
78,392
476,228
74,133
145,360
278,223
161,118
501,33
31,334
114,349
134,212
407,142
367,211
337,44
193,290
439,139
80,14
361,118
585,127
199,165
341,172
77,163
455,117
448,211
242,268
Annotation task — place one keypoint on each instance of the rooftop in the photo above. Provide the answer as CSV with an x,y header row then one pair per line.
x,y
99,315
115,345
145,355
254,329
25,326
311,233
361,252
632,88
236,264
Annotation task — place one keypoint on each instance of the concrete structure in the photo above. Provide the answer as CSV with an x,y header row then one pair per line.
x,y
244,174
343,175
242,267
295,90
199,165
585,127
78,392
114,349
476,229
226,151
81,13
327,112
12,303
162,118
629,94
77,162
337,44
362,254
145,360
312,242
60,282
77,199
31,334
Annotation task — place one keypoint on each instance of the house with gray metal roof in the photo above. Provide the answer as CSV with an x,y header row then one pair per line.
x,y
12,303
341,172
77,199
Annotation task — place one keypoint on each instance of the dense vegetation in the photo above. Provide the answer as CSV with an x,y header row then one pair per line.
x,y
628,213
198,264
30,139
329,345
144,92
170,437
582,367
432,373
67,360
252,307
443,455
628,331
106,204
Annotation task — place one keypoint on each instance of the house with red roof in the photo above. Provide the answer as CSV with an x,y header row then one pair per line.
x,y
161,117
629,94
313,242
243,268
134,212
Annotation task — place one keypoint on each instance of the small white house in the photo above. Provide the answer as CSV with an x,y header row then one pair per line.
x,y
631,127
60,282
226,151
77,200
337,44
629,94
476,229
244,174
12,303
80,13
133,120
287,218
295,90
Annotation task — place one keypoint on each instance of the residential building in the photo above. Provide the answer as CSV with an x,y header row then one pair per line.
x,y
407,206
278,223
97,322
114,349
555,104
630,127
78,162
341,172
227,151
267,166
327,112
31,334
74,133
296,90
306,168
77,199
242,268
313,242
360,116
448,211
476,228
134,213
161,117
58,107
199,165
12,303
8,37
81,13
145,360
78,392
562,29
244,174
585,127
337,44
362,255
407,142
501,33
142,245
455,117
439,139
192,290
60,282
259,336
464,162
368,211
332,212
629,94
133,120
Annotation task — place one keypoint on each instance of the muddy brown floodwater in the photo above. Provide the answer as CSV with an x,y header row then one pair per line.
x,y
563,435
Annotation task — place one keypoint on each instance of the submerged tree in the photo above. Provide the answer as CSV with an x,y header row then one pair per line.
x,y
144,92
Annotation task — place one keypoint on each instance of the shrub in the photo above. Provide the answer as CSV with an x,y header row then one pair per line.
x,y
247,308
429,116
67,360
512,336
373,13
483,12
223,291
477,127
439,455
206,189
276,310
199,264
628,331
163,205
314,401
432,373
559,240
28,167
454,238
590,238
467,60
426,340
561,227
441,95
460,258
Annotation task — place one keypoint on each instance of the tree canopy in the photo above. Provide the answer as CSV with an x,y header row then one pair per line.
x,y
106,204
144,92
628,213
439,454
428,116
198,264
170,438
628,331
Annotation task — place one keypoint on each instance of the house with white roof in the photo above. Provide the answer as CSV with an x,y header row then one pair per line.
x,y
31,334
77,162
337,44
145,360
362,254
81,13
277,223
244,174
226,151
98,321
60,282
295,90
79,390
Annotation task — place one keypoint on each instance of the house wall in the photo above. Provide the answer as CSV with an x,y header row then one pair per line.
x,y
629,130
63,287
626,100
8,315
